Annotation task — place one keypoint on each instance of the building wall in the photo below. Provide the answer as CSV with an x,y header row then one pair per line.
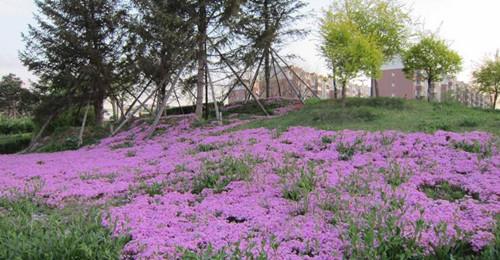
x,y
394,83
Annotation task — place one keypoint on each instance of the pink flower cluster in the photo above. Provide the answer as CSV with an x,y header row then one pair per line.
x,y
254,213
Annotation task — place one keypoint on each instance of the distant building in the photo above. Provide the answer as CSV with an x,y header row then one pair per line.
x,y
286,85
394,83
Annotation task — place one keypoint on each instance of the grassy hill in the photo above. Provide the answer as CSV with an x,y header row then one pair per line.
x,y
387,114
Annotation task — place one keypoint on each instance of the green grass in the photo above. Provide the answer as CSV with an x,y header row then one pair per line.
x,y
30,230
378,114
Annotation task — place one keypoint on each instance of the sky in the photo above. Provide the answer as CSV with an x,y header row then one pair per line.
x,y
470,27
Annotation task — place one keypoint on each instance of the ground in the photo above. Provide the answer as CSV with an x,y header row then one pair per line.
x,y
283,188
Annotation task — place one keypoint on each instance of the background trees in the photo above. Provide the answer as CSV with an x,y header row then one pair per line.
x,y
74,49
487,77
265,25
14,99
384,23
347,48
432,59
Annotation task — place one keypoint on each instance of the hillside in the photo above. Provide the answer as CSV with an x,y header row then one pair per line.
x,y
240,190
388,114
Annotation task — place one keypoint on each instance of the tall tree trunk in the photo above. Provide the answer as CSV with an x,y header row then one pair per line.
x,y
267,66
335,90
374,88
495,99
344,90
202,56
430,90
99,108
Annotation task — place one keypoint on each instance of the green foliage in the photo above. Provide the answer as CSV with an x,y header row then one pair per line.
x,y
475,147
206,147
14,99
298,187
395,175
347,49
12,126
14,143
380,114
487,77
75,72
445,191
217,175
431,58
153,189
30,230
347,151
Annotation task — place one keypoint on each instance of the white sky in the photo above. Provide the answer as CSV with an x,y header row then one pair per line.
x,y
470,26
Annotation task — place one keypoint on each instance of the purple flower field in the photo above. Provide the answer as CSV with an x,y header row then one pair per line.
x,y
304,193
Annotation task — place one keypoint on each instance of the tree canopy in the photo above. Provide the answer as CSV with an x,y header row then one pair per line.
x,y
487,77
14,99
74,49
432,59
349,50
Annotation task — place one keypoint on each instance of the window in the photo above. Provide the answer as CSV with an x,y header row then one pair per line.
x,y
393,85
393,74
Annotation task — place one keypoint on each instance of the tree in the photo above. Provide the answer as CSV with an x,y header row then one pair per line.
x,y
432,59
265,25
349,51
74,49
386,23
212,18
487,77
14,99
160,40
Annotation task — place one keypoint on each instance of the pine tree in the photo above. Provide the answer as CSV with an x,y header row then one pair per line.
x,y
74,49
267,25
161,39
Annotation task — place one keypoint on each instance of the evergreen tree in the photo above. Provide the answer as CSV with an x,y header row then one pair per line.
x,y
74,49
266,25
161,39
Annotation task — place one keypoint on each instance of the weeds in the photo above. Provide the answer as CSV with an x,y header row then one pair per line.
x,y
445,191
30,230
218,175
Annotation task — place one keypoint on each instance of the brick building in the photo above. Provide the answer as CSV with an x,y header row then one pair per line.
x,y
394,83
280,87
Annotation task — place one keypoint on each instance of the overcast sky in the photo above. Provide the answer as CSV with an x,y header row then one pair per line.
x,y
471,28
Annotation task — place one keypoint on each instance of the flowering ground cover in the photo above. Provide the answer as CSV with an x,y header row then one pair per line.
x,y
298,194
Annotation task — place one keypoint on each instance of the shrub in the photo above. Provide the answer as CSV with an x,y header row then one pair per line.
x,y
13,126
217,175
30,230
14,143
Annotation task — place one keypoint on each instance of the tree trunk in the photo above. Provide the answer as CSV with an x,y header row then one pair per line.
x,y
495,99
335,91
267,66
344,91
202,38
374,88
99,110
430,90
